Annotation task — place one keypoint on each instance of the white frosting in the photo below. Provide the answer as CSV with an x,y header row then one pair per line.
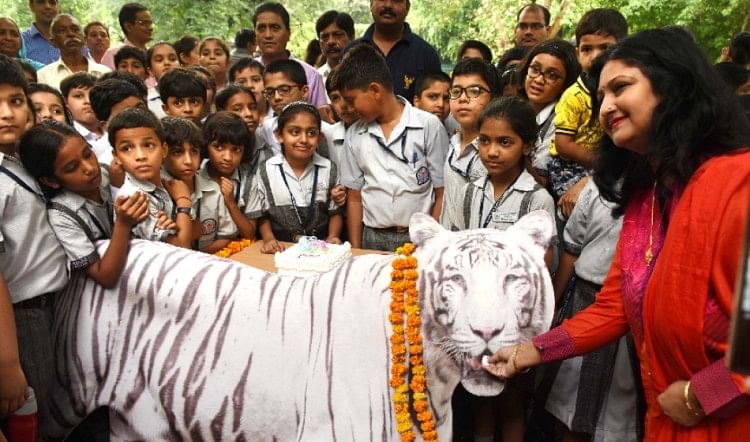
x,y
311,256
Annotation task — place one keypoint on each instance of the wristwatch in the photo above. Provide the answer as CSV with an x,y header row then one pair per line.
x,y
185,210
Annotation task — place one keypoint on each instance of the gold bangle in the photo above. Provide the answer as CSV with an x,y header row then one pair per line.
x,y
686,395
515,364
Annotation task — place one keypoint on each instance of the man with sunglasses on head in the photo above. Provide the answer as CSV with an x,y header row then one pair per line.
x,y
137,25
532,25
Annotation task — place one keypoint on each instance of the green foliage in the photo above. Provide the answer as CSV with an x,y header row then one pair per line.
x,y
443,23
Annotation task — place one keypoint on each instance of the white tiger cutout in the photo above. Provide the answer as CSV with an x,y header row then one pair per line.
x,y
193,347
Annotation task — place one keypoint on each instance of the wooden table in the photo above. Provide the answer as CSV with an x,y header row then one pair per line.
x,y
252,256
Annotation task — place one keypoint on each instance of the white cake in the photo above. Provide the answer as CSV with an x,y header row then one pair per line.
x,y
311,256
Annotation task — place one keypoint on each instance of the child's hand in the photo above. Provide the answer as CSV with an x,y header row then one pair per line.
x,y
164,222
326,114
12,388
568,201
227,189
338,195
131,209
272,246
116,173
333,240
177,189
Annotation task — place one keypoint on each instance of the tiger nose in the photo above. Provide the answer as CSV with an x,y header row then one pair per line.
x,y
486,333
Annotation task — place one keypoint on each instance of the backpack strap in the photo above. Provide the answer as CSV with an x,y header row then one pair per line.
x,y
331,181
264,177
526,201
21,182
66,210
467,205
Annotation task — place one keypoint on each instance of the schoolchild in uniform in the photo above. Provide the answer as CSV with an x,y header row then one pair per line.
x,y
160,59
75,89
49,104
108,98
346,117
393,157
249,72
284,82
228,150
576,135
608,408
548,70
473,86
133,60
183,94
213,227
241,101
214,55
32,262
507,132
137,139
293,186
431,95
80,204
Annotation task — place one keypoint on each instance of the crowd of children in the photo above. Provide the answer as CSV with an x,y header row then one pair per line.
x,y
163,149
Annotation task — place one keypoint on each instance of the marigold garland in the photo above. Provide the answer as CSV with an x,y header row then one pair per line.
x,y
405,300
233,247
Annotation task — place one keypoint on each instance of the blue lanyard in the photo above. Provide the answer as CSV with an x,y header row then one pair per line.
x,y
403,157
311,208
467,173
494,206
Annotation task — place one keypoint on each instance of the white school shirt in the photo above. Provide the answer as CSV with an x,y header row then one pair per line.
x,y
87,135
482,194
591,233
209,208
242,179
31,258
268,133
96,217
541,156
154,103
461,167
335,135
158,201
300,188
395,183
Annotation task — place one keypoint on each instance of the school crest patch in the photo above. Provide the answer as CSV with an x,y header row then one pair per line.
x,y
423,175
209,226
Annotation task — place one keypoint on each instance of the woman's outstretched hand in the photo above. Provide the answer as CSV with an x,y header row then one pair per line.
x,y
510,361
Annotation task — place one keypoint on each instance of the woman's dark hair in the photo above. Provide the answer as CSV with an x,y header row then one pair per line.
x,y
517,112
560,49
42,87
697,116
474,44
227,127
296,108
733,74
39,146
229,91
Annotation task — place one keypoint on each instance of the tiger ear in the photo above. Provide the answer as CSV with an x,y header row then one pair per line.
x,y
422,227
537,225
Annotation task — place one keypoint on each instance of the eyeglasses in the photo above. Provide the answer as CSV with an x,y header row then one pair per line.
x,y
532,26
471,92
283,91
550,77
144,23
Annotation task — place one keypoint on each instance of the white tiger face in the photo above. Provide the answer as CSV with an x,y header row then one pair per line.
x,y
490,289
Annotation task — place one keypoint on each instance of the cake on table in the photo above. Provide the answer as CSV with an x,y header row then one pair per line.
x,y
311,256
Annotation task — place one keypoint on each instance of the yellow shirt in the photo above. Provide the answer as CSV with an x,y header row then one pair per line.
x,y
572,115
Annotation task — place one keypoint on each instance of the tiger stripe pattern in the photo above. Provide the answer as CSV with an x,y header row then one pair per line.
x,y
193,347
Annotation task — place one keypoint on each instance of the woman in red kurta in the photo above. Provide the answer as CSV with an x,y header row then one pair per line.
x,y
674,141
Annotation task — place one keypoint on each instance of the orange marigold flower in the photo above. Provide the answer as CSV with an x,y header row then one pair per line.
x,y
419,370
420,406
397,339
415,349
415,359
411,274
